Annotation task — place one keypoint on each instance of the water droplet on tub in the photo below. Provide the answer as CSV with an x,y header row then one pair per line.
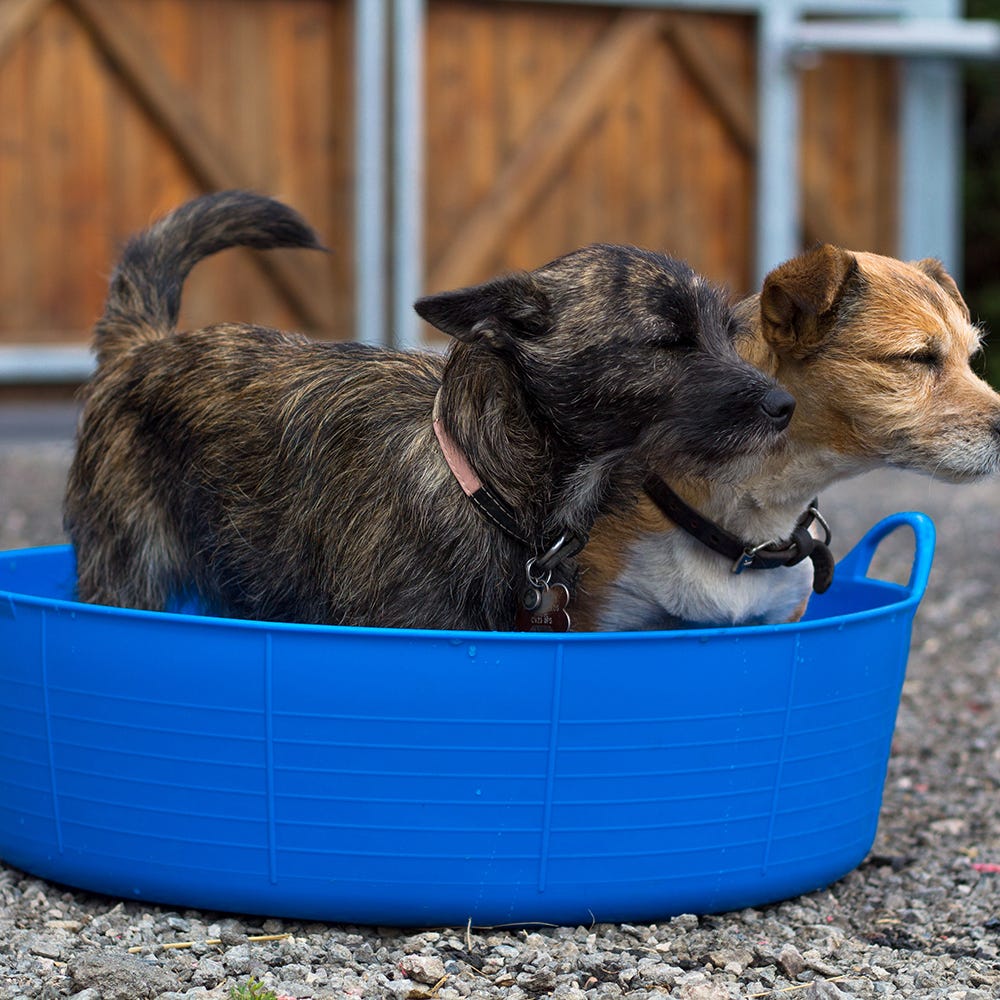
x,y
472,651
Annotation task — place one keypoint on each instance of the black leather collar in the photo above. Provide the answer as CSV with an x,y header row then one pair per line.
x,y
743,555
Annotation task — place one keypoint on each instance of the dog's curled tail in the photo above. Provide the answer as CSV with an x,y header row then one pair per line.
x,y
144,297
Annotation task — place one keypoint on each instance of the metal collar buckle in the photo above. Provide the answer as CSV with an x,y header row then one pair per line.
x,y
747,556
797,548
539,568
821,521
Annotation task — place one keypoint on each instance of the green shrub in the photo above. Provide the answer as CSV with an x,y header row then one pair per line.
x,y
981,284
252,989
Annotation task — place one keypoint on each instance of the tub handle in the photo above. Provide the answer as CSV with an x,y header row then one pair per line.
x,y
856,563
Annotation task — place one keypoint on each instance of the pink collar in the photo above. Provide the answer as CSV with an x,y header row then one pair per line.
x,y
542,608
457,462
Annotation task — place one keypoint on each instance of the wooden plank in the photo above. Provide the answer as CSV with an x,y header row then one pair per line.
x,y
714,174
651,154
139,65
53,144
717,136
146,175
737,111
17,273
76,114
721,86
53,161
539,54
17,17
309,50
465,96
885,153
613,173
847,105
555,132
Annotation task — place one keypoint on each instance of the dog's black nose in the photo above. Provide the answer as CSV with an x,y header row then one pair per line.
x,y
779,406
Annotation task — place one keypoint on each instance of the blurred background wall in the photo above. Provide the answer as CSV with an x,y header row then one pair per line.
x,y
543,126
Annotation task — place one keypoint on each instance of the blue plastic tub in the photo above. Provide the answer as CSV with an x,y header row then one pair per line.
x,y
417,777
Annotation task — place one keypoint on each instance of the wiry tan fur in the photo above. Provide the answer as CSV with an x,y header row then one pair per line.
x,y
878,354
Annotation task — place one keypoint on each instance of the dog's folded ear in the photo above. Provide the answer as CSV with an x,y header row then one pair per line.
x,y
934,270
497,312
799,293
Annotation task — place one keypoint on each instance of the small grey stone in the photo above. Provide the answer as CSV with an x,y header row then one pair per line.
x,y
664,975
46,947
423,968
705,991
400,988
768,974
210,972
238,960
684,922
294,988
823,990
734,960
339,954
539,981
118,977
790,961
814,960
691,978
231,933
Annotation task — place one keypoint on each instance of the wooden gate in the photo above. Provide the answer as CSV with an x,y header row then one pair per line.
x,y
547,126
548,129
113,111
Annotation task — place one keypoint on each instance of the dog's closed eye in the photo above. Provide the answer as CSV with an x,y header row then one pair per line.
x,y
929,354
929,357
671,342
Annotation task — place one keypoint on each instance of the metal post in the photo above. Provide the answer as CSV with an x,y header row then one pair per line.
x,y
408,173
778,200
49,363
930,152
369,168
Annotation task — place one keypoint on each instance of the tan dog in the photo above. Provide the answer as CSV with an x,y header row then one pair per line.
x,y
877,353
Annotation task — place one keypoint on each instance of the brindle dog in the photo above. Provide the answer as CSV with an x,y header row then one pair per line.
x,y
274,477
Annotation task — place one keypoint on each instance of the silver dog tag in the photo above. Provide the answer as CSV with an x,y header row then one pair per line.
x,y
544,610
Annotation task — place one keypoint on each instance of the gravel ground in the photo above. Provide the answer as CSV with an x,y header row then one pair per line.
x,y
919,918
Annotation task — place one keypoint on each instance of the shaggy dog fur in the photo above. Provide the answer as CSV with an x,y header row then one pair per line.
x,y
273,477
877,353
